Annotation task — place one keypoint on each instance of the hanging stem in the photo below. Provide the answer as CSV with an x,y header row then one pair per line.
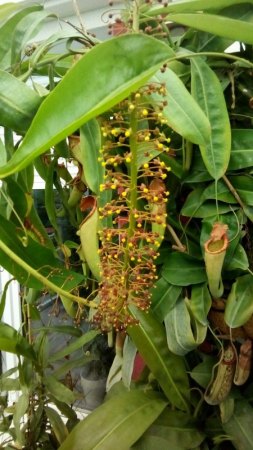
x,y
179,246
133,173
233,191
136,16
245,62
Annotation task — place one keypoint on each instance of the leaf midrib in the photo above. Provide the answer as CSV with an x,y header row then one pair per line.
x,y
206,111
125,419
165,367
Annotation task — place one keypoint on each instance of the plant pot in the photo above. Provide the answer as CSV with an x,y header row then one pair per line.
x,y
94,391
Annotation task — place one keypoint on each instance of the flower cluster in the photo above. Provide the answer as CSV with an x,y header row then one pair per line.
x,y
133,221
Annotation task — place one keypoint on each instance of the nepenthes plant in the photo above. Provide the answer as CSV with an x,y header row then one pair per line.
x,y
157,121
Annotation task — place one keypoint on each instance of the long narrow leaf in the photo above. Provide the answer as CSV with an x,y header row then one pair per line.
x,y
206,89
99,80
59,427
242,149
194,5
125,416
18,103
8,8
7,30
239,306
169,370
36,256
239,427
90,144
183,332
182,112
13,342
173,430
24,31
3,297
218,25
78,343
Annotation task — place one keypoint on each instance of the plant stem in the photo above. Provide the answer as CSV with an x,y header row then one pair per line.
x,y
233,191
179,244
133,173
187,155
136,16
78,14
215,54
44,280
8,141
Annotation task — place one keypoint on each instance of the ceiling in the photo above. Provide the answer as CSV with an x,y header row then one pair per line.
x,y
65,8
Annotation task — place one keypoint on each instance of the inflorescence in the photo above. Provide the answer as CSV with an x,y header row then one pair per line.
x,y
133,221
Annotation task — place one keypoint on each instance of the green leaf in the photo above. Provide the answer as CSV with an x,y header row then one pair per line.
x,y
227,407
183,332
21,408
218,190
239,260
129,354
103,77
194,206
13,342
67,411
150,339
25,30
182,112
59,390
239,305
239,427
216,152
244,186
194,5
6,32
182,269
38,257
18,103
8,382
200,302
202,373
164,297
3,297
7,8
146,152
65,329
242,149
125,416
170,161
88,233
60,37
172,430
73,346
50,198
90,144
3,154
115,372
64,368
219,25
58,426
